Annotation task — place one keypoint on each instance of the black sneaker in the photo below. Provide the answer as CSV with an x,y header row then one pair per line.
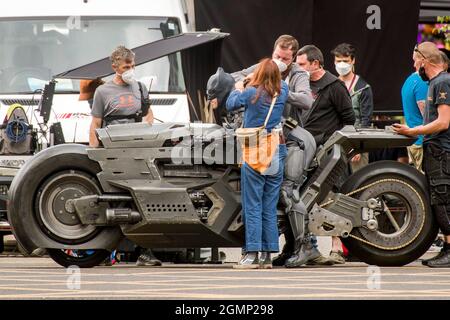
x,y
280,260
442,260
438,256
147,259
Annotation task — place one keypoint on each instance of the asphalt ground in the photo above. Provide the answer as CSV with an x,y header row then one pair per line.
x,y
41,278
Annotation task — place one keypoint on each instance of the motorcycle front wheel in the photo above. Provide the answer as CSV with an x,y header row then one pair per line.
x,y
42,213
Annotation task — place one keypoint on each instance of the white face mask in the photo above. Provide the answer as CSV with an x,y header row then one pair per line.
x,y
281,65
343,68
128,76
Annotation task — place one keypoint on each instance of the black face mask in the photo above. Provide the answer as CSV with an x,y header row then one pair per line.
x,y
422,74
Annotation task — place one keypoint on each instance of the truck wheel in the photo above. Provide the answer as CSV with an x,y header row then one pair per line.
x,y
406,225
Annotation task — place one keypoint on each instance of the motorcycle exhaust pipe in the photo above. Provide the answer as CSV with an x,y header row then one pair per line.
x,y
121,216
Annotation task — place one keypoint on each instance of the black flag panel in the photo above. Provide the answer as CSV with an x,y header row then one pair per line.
x,y
383,31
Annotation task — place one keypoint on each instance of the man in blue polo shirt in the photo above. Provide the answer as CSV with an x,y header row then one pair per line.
x,y
414,94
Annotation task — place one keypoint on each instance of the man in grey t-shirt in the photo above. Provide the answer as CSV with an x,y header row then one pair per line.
x,y
112,101
119,100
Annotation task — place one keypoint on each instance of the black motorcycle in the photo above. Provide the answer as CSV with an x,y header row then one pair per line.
x,y
151,185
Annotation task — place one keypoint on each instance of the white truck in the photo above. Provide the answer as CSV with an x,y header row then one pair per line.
x,y
40,39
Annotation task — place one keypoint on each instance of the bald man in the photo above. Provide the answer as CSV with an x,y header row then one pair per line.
x,y
436,144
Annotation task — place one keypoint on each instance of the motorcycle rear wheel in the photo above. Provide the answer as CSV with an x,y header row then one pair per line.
x,y
407,229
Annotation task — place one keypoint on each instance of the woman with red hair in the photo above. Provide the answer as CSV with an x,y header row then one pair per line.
x,y
263,98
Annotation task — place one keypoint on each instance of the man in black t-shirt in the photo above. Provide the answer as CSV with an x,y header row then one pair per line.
x,y
436,142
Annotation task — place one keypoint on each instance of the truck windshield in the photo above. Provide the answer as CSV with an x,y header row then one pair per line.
x,y
33,50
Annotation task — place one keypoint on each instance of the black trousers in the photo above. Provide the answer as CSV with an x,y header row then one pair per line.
x,y
436,164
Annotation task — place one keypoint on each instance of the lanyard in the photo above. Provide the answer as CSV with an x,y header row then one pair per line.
x,y
351,83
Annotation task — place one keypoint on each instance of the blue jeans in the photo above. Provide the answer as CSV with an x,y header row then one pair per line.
x,y
260,193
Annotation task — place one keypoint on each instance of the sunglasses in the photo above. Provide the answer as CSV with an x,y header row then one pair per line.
x,y
416,49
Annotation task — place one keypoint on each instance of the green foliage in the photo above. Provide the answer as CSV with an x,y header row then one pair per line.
x,y
443,28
